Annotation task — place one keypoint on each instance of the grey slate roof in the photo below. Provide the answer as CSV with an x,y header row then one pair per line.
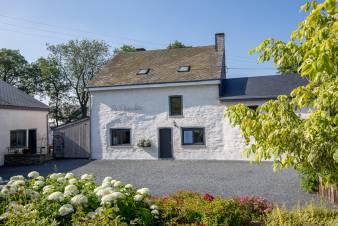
x,y
262,87
11,97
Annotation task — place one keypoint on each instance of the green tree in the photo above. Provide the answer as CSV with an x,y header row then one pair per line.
x,y
78,62
16,71
124,49
275,129
55,86
177,44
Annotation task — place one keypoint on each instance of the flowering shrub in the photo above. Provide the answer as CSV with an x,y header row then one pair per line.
x,y
64,199
256,206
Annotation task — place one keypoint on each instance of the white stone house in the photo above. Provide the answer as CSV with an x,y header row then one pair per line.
x,y
175,99
23,122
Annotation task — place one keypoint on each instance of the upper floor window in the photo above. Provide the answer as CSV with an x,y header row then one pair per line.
x,y
193,136
120,137
18,138
175,106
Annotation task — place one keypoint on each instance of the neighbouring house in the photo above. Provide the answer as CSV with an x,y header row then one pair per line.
x,y
170,103
23,124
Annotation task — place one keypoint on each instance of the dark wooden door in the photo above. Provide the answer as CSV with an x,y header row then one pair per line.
x,y
165,146
32,140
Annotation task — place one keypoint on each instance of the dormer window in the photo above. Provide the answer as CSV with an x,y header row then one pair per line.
x,y
183,68
143,71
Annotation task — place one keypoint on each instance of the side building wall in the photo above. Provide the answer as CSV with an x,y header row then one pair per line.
x,y
12,119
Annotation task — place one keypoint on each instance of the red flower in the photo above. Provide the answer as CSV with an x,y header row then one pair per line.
x,y
208,197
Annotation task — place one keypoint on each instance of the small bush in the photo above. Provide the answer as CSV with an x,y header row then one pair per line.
x,y
309,181
185,207
309,215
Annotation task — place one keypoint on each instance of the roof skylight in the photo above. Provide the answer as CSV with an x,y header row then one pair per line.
x,y
143,71
183,68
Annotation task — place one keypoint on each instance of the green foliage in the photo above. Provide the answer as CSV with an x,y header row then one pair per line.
x,y
55,86
184,207
309,182
16,71
78,62
278,130
124,49
177,44
309,215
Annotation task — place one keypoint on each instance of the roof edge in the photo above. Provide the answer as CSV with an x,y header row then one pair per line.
x,y
225,99
15,107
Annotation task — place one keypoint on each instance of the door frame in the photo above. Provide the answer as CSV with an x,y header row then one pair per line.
x,y
159,140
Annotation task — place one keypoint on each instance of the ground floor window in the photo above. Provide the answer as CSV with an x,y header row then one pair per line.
x,y
193,136
120,137
18,138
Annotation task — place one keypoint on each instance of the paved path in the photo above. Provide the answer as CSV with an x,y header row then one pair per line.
x,y
225,178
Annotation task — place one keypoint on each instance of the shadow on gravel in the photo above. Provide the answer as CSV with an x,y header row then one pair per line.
x,y
57,165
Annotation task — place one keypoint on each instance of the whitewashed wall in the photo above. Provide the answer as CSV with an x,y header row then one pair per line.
x,y
11,119
144,111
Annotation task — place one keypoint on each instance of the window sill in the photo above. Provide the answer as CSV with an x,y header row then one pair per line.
x,y
194,145
121,146
176,116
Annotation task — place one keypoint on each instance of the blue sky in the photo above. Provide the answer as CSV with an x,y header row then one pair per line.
x,y
152,24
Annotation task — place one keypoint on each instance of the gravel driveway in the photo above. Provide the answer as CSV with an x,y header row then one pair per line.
x,y
224,178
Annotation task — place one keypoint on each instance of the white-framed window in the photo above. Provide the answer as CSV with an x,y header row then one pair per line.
x,y
193,136
120,137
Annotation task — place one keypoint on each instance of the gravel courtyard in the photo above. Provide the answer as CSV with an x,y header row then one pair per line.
x,y
224,178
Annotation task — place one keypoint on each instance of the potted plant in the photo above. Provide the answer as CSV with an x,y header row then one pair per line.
x,y
144,143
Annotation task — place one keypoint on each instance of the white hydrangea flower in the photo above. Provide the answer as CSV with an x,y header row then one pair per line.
x,y
61,180
19,183
106,184
154,207
40,178
56,196
69,175
111,197
18,177
129,186
13,189
21,189
87,176
116,209
47,189
72,181
91,214
71,190
107,179
113,182
39,183
148,201
79,200
155,212
143,191
97,189
33,174
138,198
104,191
5,190
66,209
55,176
32,194
118,184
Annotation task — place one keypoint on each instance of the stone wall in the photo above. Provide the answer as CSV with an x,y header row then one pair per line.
x,y
144,111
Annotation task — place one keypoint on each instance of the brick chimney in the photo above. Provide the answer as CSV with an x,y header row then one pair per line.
x,y
219,42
